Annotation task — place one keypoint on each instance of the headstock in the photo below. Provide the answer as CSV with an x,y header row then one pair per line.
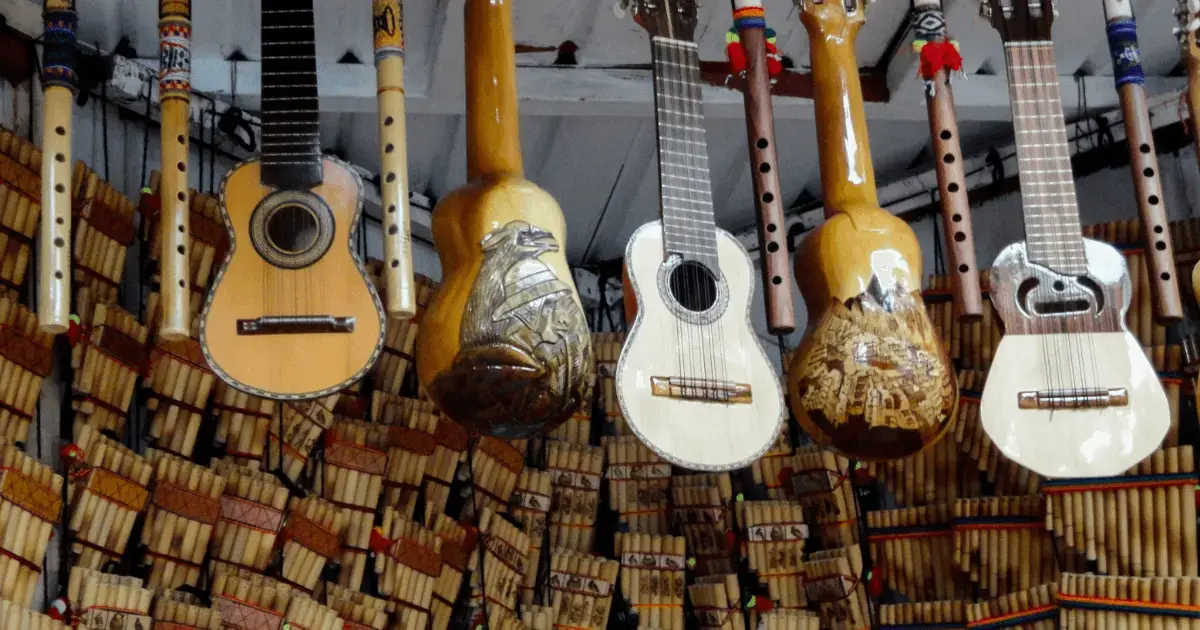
x,y
1020,20
673,19
833,16
1187,15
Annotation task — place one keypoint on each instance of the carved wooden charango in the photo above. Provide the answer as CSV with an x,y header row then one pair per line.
x,y
870,378
504,347
292,313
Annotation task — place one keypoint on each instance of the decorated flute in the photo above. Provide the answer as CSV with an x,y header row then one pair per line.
x,y
1127,72
389,77
757,63
175,92
939,57
58,75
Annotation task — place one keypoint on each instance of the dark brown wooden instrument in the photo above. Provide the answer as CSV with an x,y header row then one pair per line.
x,y
175,93
1188,14
54,255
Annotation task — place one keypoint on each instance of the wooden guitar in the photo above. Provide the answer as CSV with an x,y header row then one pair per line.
x,y
870,378
504,347
693,380
1070,393
292,314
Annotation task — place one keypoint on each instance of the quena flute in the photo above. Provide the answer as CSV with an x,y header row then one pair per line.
x,y
1127,72
175,92
54,251
389,77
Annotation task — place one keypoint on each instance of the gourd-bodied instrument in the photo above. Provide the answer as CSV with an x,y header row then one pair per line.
x,y
292,313
175,94
54,237
939,57
1070,392
870,378
504,347
693,380
393,186
1143,161
750,23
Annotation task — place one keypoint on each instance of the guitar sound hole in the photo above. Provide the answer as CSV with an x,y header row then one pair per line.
x,y
292,229
693,286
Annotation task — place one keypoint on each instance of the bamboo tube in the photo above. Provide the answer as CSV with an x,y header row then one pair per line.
x,y
16,617
578,428
538,617
358,610
766,470
252,507
911,615
109,490
294,432
821,484
107,363
1097,601
183,512
459,548
775,535
103,230
1008,477
30,507
408,571
173,607
607,347
180,382
1035,609
412,426
249,601
716,602
581,589
306,613
494,470
26,358
400,340
638,485
652,579
790,620
576,471
309,538
938,474
242,424
702,511
529,506
355,463
20,206
1001,543
833,581
504,553
100,600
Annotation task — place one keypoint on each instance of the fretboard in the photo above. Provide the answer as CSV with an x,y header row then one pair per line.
x,y
1053,237
684,188
291,137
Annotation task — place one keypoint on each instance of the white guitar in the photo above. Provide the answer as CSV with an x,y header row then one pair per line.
x,y
1070,392
693,381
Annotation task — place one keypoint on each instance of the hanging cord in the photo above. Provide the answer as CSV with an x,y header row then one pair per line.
x,y
104,119
939,253
1082,132
996,164
146,135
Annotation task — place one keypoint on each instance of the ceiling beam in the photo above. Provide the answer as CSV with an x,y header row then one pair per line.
x,y
903,81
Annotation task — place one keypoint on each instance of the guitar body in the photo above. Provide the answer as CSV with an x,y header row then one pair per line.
x,y
870,378
504,343
312,230
695,434
1044,353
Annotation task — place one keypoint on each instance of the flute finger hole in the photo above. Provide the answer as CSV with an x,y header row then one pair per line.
x,y
60,131
180,139
771,227
393,230
1144,148
1160,246
1153,199
963,268
764,168
959,237
395,263
1148,172
182,167
1158,229
762,143
1165,275
946,135
59,242
952,187
392,208
58,275
389,148
58,157
768,197
391,177
59,220
956,218
59,188
181,249
772,247
776,280
948,158
181,196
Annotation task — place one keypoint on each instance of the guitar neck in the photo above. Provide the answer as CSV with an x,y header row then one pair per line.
x,y
1053,237
685,193
291,137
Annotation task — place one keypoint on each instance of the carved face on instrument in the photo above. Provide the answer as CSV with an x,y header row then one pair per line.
x,y
530,240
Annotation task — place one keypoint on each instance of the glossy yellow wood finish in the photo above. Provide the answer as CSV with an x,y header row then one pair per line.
x,y
870,377
54,235
503,344
247,287
174,226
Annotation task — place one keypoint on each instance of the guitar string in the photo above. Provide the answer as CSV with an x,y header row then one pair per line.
x,y
660,95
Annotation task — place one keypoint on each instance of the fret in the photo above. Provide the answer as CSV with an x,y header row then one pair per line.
x,y
283,73
684,127
287,43
690,155
1063,193
668,110
685,178
288,86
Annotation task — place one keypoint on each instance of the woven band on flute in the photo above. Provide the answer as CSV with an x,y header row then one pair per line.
x,y
355,457
187,351
241,615
814,481
95,547
1123,46
117,346
1130,607
309,535
58,64
413,441
416,556
504,454
923,626
174,559
29,495
25,353
1129,482
831,588
180,501
117,488
1016,619
107,220
256,516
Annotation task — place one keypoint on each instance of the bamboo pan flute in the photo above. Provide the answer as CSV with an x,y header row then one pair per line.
x,y
789,620
504,560
1137,603
1141,524
359,610
174,610
208,240
400,340
180,382
1002,544
652,579
306,614
355,463
15,617
971,344
607,347
409,570
942,614
252,507
775,534
100,600
183,512
913,545
109,489
102,233
578,428
1006,476
30,508
537,617
1033,609
495,467
1126,235
576,472
702,508
26,357
833,581
450,448
638,485
242,424
529,507
20,206
458,550
767,470
821,483
107,363
939,474
249,601
412,428
716,602
293,433
310,538
581,589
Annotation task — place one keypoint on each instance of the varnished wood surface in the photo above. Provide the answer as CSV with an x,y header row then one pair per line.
x,y
247,287
54,236
493,124
174,222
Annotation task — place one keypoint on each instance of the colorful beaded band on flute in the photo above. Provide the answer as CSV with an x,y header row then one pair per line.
x,y
1091,601
1032,609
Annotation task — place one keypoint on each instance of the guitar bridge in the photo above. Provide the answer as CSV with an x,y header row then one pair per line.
x,y
701,389
295,325
1094,398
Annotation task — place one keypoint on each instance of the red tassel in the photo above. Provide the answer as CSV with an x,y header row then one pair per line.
x,y
939,56
379,543
59,610
784,479
736,56
74,331
730,540
774,60
875,583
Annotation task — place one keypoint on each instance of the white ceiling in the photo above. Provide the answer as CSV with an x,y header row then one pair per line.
x,y
588,132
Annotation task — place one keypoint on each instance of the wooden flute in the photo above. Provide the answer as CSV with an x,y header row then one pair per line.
x,y
749,20
1143,160
175,93
929,33
54,237
1189,22
389,77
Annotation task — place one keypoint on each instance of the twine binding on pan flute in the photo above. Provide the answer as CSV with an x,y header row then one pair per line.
x,y
999,522
1132,607
242,615
1129,482
924,626
1016,619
